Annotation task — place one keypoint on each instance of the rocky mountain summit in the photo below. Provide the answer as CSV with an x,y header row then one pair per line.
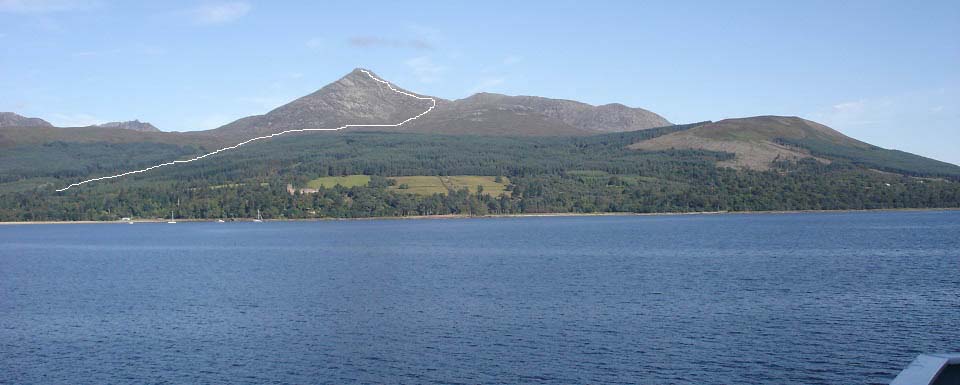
x,y
358,99
353,99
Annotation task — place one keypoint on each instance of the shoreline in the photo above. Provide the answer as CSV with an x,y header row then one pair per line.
x,y
458,216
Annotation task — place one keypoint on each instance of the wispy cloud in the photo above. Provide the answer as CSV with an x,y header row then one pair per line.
x,y
848,107
85,54
284,89
511,60
849,113
207,122
426,33
265,103
150,50
382,42
315,43
48,24
74,120
140,49
867,113
486,84
45,6
219,13
919,121
425,69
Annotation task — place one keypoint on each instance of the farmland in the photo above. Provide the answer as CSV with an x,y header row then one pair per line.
x,y
345,181
428,185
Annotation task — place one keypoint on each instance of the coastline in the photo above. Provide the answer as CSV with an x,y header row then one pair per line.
x,y
459,216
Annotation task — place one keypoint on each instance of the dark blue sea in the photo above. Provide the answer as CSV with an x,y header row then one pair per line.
x,y
819,298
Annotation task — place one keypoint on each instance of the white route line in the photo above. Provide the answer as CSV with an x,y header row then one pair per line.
x,y
433,104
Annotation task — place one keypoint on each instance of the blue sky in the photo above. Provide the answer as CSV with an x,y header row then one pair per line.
x,y
886,72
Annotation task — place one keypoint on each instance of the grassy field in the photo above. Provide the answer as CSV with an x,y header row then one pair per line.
x,y
345,181
421,185
428,185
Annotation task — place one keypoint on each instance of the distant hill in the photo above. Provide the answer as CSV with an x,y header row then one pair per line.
x,y
134,125
25,136
757,142
584,117
477,115
10,119
495,114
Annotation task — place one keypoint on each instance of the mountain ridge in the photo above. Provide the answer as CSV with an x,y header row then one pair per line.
x,y
610,117
357,99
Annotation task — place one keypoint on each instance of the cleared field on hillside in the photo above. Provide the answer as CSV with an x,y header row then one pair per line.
x,y
429,185
345,181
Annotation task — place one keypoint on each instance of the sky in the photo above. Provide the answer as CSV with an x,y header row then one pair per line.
x,y
885,72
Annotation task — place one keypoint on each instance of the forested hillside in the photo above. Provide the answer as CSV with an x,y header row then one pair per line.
x,y
579,174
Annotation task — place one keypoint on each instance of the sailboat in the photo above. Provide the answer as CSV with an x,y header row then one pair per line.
x,y
171,218
259,218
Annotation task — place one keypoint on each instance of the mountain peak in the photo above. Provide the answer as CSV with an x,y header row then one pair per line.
x,y
357,78
10,119
355,98
362,71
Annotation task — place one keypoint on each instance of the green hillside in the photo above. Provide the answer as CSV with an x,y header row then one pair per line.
x,y
758,142
878,158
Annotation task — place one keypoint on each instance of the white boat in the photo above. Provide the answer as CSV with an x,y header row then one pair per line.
x,y
259,218
220,220
171,218
931,369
